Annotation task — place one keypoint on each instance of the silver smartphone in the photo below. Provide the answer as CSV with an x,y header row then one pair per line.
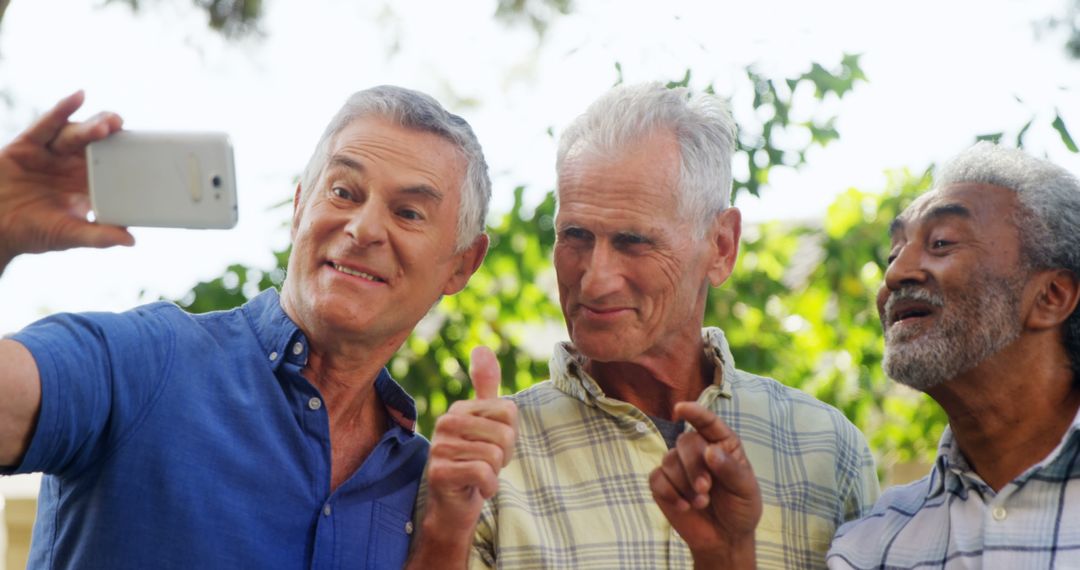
x,y
163,179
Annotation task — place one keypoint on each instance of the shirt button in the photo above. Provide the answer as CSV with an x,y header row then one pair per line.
x,y
408,527
326,510
298,348
314,404
273,356
999,513
641,427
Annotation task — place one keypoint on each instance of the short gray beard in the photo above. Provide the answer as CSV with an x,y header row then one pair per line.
x,y
970,329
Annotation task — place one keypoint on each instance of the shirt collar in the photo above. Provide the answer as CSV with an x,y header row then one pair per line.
x,y
568,371
951,463
718,350
273,328
277,333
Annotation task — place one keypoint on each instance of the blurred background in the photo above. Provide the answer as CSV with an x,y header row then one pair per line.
x,y
844,108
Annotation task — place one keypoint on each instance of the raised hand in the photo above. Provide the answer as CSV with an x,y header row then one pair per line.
x,y
473,441
43,190
706,488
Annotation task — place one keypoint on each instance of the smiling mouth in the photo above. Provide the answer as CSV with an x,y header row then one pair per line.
x,y
603,311
910,305
911,313
357,273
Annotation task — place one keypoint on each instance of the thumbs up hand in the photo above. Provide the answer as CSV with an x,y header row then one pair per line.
x,y
473,441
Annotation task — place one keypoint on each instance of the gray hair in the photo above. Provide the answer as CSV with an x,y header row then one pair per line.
x,y
1049,215
701,122
415,110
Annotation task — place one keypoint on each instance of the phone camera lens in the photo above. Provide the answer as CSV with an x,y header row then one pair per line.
x,y
216,181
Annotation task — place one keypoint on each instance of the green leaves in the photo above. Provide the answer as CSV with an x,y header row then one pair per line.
x,y
1059,126
537,13
233,18
992,137
799,307
775,100
838,82
684,82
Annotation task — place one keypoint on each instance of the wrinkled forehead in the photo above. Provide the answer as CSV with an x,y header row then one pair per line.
x,y
985,204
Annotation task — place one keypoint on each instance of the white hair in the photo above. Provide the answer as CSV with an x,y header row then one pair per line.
x,y
701,123
1049,215
418,111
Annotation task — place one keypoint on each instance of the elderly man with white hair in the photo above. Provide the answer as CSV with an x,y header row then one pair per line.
x,y
648,447
979,308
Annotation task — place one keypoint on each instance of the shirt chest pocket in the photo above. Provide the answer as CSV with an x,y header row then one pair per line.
x,y
389,539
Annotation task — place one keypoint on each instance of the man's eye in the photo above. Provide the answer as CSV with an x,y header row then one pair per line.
x,y
410,214
339,192
573,234
631,240
940,243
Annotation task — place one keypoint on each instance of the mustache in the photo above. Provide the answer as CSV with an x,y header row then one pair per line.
x,y
913,294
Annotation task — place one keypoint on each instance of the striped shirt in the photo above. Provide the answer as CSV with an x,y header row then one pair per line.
x,y
576,494
952,519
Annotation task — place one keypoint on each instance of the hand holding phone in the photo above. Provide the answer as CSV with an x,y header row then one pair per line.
x,y
163,179
43,193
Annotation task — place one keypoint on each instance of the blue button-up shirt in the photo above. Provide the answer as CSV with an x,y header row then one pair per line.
x,y
172,440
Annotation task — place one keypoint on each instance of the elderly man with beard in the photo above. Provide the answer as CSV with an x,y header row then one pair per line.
x,y
979,308
648,447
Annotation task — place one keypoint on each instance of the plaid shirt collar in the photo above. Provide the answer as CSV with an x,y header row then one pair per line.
x,y
568,373
952,470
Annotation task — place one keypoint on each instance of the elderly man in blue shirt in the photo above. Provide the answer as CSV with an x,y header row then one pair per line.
x,y
270,436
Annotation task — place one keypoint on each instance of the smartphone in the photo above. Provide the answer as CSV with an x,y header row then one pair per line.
x,y
163,179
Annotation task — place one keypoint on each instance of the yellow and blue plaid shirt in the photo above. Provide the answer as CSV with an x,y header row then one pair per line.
x,y
576,494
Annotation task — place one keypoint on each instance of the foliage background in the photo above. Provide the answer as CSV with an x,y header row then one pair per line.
x,y
799,306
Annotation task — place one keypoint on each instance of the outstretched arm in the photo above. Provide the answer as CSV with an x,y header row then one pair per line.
x,y
43,190
20,401
706,488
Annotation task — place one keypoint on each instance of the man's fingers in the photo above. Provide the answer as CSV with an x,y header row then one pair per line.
x,y
732,473
674,472
665,494
708,424
46,128
462,451
475,427
81,233
74,137
690,450
485,373
499,409
455,475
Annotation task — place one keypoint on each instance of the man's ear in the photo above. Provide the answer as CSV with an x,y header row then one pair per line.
x,y
468,262
1057,292
723,239
295,212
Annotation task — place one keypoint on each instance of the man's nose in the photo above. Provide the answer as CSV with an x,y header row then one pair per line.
x,y
603,272
368,224
907,268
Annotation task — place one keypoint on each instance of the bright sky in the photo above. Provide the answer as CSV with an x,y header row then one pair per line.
x,y
940,72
